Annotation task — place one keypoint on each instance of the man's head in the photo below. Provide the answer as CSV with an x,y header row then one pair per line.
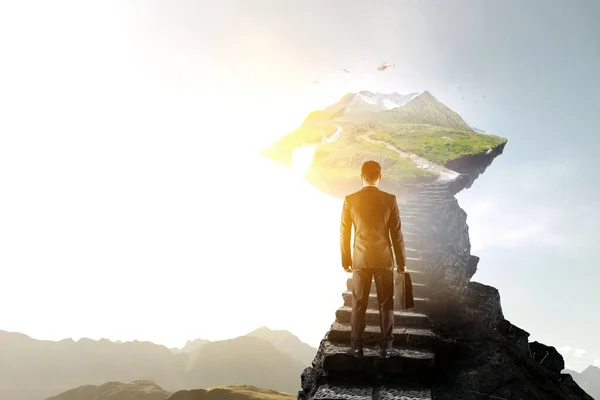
x,y
371,173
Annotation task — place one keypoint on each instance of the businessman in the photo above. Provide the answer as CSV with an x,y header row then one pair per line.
x,y
376,220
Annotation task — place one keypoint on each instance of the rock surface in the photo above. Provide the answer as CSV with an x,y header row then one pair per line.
x,y
472,350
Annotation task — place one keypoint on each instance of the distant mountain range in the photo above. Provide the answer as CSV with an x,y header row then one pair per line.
x,y
388,128
588,380
263,358
287,343
147,390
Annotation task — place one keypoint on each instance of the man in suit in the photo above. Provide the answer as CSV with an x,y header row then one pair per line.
x,y
376,219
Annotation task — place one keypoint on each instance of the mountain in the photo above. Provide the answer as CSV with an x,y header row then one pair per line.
x,y
62,365
245,392
415,137
147,390
365,101
137,390
588,380
57,366
287,343
423,108
246,360
193,345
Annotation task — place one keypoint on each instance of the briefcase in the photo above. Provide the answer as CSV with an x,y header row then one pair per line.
x,y
403,292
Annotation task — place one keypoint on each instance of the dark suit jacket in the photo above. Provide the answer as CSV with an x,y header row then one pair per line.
x,y
376,219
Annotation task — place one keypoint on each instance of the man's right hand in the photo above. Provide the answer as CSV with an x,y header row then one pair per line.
x,y
401,270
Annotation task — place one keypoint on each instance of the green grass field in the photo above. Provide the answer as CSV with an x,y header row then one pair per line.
x,y
435,143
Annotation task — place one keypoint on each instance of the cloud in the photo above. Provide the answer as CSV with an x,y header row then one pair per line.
x,y
564,350
578,353
536,176
576,359
493,223
517,212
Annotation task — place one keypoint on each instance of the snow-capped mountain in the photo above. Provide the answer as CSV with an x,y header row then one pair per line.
x,y
369,101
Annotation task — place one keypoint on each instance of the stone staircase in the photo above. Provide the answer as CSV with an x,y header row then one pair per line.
x,y
404,376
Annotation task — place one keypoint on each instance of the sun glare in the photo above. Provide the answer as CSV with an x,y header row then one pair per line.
x,y
302,158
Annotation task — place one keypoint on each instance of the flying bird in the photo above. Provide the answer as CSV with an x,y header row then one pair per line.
x,y
385,66
346,71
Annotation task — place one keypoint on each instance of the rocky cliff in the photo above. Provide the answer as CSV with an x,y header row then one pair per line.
x,y
456,343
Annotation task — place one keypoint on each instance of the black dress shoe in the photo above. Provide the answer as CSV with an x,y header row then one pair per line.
x,y
355,352
385,353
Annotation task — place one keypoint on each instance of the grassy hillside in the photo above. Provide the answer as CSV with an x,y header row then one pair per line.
x,y
147,390
232,393
137,390
422,125
437,144
336,165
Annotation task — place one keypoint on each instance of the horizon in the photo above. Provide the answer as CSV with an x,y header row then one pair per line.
x,y
110,136
77,339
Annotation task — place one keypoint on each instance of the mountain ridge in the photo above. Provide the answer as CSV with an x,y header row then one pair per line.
x,y
57,366
148,390
588,379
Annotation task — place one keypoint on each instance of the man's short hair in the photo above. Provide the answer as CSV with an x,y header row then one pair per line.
x,y
371,171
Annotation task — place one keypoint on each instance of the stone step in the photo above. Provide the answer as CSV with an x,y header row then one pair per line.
x,y
421,303
401,318
411,253
419,289
401,392
409,235
403,336
430,200
422,215
423,208
424,203
344,392
402,359
417,276
409,227
413,219
411,242
357,391
434,191
416,263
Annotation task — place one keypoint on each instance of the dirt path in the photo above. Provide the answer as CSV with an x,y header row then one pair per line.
x,y
444,174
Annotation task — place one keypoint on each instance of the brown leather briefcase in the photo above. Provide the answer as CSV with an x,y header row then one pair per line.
x,y
403,292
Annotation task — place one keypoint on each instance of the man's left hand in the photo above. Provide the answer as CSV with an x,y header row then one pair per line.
x,y
348,269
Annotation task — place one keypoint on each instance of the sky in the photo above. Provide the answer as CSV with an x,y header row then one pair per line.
x,y
133,205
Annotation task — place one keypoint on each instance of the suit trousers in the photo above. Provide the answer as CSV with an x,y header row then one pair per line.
x,y
361,288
